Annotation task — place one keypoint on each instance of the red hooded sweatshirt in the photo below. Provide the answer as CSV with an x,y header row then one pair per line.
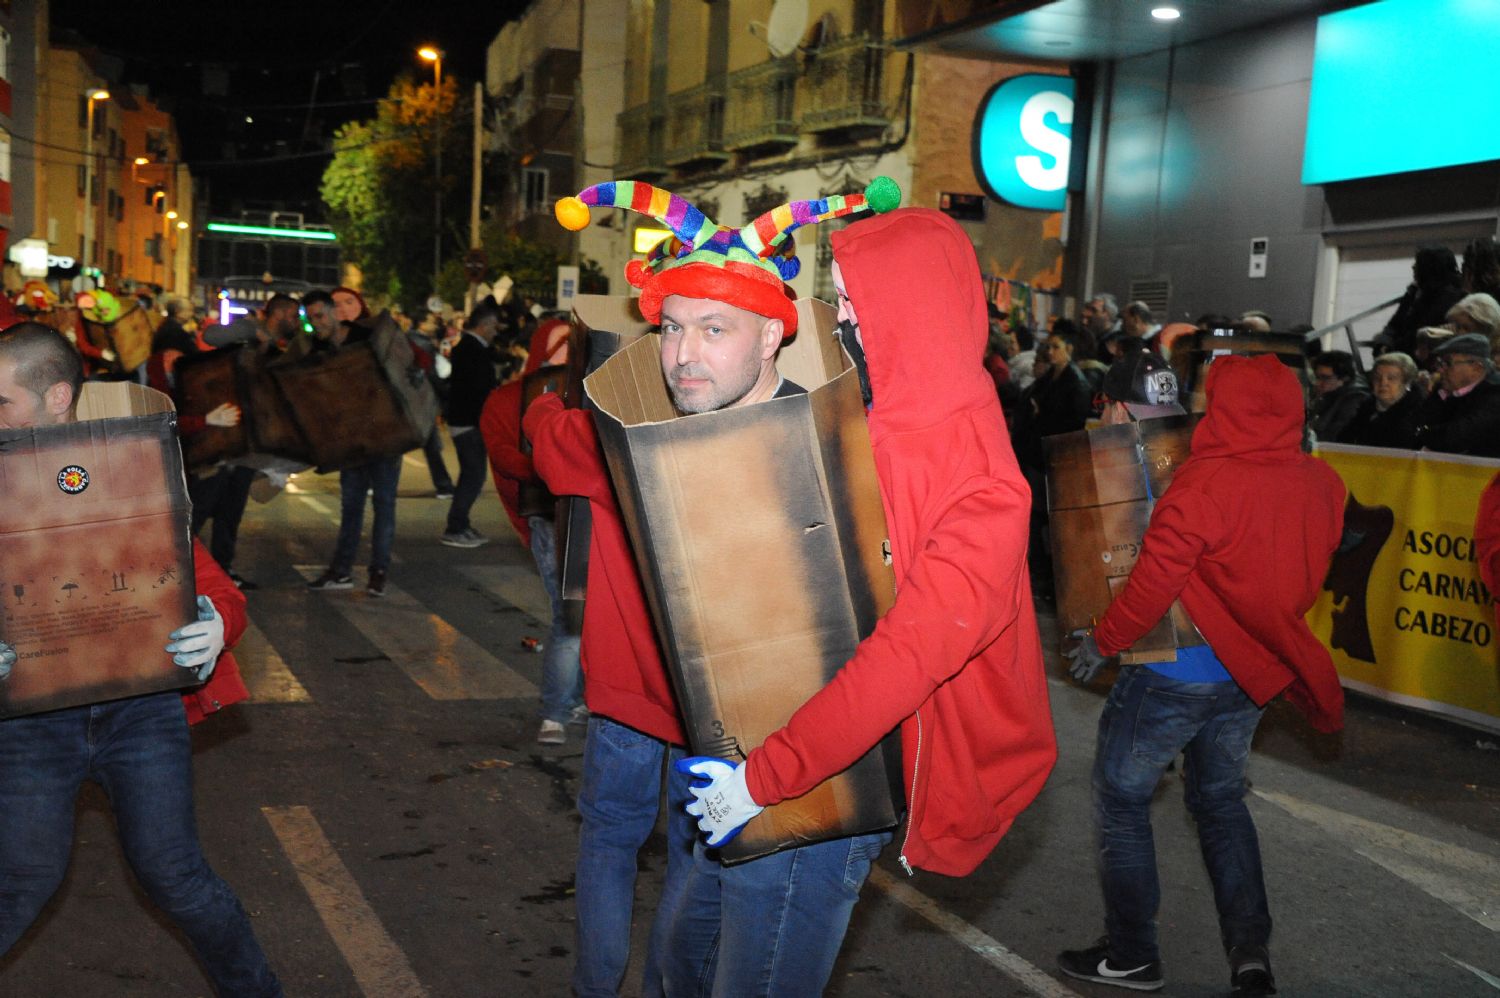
x,y
956,663
1487,538
225,686
500,426
624,678
1244,535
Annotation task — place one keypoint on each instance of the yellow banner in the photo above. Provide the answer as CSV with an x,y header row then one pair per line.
x,y
1404,611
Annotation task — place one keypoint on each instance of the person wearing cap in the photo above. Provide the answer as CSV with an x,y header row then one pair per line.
x,y
1139,386
1462,415
1243,537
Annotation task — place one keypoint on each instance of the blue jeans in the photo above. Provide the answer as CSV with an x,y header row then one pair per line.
x,y
138,751
432,449
562,678
769,927
383,476
473,465
618,801
1147,720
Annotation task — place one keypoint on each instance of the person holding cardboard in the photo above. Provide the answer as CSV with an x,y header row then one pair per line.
x,y
1243,536
136,748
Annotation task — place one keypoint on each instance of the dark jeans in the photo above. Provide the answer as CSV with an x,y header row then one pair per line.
x,y
354,483
562,675
1147,720
433,451
221,497
138,750
473,465
618,801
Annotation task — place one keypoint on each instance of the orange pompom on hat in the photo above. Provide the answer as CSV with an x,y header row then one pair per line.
x,y
746,267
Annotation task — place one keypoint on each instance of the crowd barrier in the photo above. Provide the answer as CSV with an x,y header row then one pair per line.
x,y
1404,611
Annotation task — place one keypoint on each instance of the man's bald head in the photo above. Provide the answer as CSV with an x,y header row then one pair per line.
x,y
43,357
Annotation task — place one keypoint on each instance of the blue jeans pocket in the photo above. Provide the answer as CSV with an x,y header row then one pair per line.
x,y
1167,720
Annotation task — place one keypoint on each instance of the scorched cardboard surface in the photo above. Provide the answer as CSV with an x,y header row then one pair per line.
x,y
760,536
1101,488
97,565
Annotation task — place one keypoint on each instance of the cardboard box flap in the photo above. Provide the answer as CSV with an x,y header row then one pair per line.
x,y
114,399
620,314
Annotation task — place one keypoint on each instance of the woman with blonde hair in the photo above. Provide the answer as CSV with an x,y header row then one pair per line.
x,y
1388,416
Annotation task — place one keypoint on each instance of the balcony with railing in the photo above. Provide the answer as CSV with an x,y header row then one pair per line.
x,y
643,132
695,127
845,86
760,112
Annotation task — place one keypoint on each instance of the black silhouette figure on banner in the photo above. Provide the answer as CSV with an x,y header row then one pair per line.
x,y
1366,529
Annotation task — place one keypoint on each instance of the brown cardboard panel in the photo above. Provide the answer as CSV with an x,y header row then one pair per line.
x,y
1101,489
760,534
345,407
273,427
129,337
411,389
206,381
98,565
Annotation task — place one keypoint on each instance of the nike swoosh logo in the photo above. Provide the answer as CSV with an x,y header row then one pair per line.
x,y
1105,971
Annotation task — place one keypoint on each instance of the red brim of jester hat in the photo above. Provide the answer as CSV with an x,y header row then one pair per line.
x,y
746,267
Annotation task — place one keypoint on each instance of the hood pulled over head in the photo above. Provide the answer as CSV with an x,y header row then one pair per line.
x,y
914,283
1255,406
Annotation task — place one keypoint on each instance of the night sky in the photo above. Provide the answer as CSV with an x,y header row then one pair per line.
x,y
214,64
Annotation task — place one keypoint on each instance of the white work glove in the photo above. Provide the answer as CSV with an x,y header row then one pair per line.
x,y
721,801
197,645
7,660
1085,658
225,414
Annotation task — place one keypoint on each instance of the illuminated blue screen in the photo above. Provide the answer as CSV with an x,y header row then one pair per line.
x,y
1402,85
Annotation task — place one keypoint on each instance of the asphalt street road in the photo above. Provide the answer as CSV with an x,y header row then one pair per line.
x,y
387,818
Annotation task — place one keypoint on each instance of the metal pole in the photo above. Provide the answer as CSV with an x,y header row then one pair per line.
x,y
437,190
474,242
88,186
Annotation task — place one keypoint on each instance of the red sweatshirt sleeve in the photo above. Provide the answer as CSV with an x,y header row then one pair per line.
x,y
498,425
213,582
565,449
962,591
1184,525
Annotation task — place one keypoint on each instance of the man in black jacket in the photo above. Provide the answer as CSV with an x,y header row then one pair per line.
x,y
1463,415
471,382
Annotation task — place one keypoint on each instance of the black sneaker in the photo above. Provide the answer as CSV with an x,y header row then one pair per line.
x,y
1250,972
1095,964
376,585
331,580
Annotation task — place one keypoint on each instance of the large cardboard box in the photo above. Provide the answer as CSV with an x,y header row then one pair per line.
x,y
97,565
347,408
760,536
1101,488
238,375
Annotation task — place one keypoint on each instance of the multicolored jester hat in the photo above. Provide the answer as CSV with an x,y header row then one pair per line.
x,y
746,267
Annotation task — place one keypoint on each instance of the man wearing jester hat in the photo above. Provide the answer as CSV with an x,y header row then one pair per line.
x,y
956,664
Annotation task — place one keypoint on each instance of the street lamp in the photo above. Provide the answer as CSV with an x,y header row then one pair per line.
x,y
96,94
434,55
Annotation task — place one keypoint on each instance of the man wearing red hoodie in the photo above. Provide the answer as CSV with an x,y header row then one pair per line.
x,y
633,728
1243,536
956,663
500,427
137,749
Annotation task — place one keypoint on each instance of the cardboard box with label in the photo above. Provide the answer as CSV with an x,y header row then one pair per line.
x,y
97,565
760,536
1101,488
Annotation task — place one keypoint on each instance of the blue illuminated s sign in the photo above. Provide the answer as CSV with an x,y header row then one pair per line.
x,y
1023,135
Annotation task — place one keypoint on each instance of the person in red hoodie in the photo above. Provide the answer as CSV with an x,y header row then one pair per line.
x,y
500,427
1243,536
634,727
137,749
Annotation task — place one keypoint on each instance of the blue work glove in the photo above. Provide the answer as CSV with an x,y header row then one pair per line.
x,y
7,660
197,645
1085,658
721,801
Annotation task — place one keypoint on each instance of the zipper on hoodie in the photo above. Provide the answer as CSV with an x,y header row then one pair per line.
x,y
911,802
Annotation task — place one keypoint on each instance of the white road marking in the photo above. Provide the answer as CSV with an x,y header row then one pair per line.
x,y
517,584
264,670
447,665
1027,974
319,505
1469,881
1487,978
379,966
